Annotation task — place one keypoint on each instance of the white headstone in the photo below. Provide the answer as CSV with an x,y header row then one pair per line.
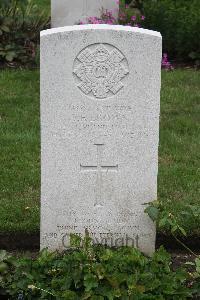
x,y
70,12
100,99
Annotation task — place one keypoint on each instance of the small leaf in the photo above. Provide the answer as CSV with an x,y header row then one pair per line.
x,y
10,56
153,212
193,55
182,230
90,282
108,254
189,263
174,228
197,261
8,47
162,222
5,28
3,267
3,255
140,288
69,295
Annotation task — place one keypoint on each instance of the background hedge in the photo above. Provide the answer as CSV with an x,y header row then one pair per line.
x,y
179,23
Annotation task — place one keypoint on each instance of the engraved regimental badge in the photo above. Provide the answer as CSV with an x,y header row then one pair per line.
x,y
99,70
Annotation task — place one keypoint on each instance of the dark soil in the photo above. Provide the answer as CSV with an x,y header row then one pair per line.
x,y
31,242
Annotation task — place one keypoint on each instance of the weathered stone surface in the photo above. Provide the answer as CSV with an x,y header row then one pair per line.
x,y
67,12
100,98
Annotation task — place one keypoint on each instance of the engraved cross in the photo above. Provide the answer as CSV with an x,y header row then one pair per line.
x,y
99,168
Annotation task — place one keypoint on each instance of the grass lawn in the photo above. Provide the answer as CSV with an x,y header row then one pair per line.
x,y
179,153
179,159
19,147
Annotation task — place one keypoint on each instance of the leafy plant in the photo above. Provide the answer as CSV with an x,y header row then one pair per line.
x,y
94,272
20,24
168,221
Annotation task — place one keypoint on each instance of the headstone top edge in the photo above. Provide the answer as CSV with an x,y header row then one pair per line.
x,y
100,27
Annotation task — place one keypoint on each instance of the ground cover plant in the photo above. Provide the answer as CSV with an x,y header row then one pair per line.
x,y
97,272
178,180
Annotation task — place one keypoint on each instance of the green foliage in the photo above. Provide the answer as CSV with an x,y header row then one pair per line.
x,y
95,272
164,218
20,24
167,221
179,23
44,4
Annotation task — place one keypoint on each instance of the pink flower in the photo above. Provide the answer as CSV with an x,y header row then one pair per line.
x,y
94,20
117,2
109,22
133,18
165,63
122,16
142,18
126,6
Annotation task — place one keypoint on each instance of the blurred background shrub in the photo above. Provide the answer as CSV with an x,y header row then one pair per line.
x,y
20,24
177,20
179,23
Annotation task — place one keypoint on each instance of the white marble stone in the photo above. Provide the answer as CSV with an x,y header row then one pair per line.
x,y
70,12
100,103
